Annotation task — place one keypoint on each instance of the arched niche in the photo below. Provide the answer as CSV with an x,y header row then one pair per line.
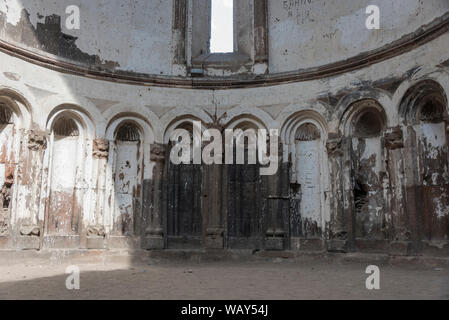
x,y
128,172
128,166
304,137
364,124
64,210
9,153
424,112
184,220
245,187
306,220
68,162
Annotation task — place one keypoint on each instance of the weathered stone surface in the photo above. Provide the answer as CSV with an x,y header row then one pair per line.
x,y
363,127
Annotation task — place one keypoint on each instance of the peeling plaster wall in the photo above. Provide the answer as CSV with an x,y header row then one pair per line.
x,y
137,37
405,166
133,36
310,33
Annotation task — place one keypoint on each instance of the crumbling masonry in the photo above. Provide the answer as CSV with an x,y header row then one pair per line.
x,y
364,128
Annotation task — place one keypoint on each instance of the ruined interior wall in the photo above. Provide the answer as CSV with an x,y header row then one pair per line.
x,y
137,36
132,36
400,163
311,33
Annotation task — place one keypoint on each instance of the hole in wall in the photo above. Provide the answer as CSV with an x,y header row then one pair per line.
x,y
431,111
360,196
368,124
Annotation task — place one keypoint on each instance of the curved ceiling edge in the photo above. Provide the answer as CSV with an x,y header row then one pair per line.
x,y
409,42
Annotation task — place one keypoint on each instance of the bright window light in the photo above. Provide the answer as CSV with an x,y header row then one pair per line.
x,y
222,26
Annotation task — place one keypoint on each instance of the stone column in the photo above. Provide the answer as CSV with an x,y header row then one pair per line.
x,y
95,231
399,231
29,202
153,238
278,202
212,206
338,233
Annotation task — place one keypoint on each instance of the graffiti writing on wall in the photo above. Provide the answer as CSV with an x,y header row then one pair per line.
x,y
300,10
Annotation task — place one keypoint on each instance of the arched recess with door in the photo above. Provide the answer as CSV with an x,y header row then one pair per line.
x,y
424,114
68,161
128,167
304,136
363,125
246,189
184,188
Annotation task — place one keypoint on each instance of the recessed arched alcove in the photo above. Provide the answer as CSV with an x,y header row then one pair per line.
x,y
424,110
363,124
184,187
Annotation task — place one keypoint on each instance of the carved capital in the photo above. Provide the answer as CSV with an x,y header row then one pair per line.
x,y
334,147
37,141
394,139
30,231
101,148
96,232
157,152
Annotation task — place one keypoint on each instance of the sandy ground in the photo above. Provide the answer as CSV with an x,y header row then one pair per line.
x,y
225,280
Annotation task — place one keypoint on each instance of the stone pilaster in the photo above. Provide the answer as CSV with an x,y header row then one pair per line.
x,y
338,233
95,232
30,227
212,206
153,238
278,202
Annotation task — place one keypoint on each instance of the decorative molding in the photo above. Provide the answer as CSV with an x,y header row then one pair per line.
x,y
96,232
334,147
409,42
394,139
157,152
30,231
37,141
101,148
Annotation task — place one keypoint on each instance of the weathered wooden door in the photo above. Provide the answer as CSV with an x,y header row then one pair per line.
x,y
184,214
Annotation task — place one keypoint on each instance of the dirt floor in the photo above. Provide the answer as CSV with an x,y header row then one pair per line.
x,y
274,279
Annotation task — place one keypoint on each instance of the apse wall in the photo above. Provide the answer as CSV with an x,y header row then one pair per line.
x,y
138,36
375,127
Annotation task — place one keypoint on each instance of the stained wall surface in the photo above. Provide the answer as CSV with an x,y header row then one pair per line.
x,y
86,118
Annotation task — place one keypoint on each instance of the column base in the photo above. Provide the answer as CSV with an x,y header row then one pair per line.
x,y
214,238
275,243
28,243
95,243
153,243
341,246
